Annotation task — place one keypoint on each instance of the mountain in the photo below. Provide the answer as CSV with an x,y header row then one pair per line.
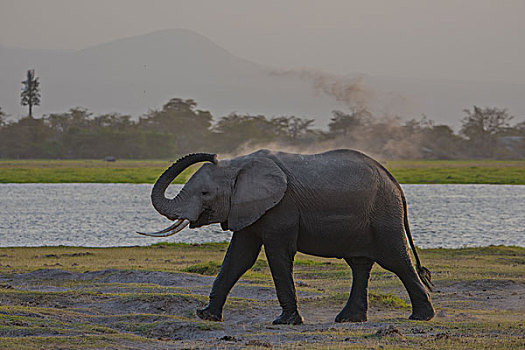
x,y
136,74
133,75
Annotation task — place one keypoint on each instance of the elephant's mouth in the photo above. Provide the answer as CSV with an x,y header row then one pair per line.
x,y
177,226
204,219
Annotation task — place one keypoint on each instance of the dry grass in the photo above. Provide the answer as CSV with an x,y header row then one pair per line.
x,y
479,298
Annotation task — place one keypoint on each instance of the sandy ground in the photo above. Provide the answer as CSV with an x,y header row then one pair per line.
x,y
159,308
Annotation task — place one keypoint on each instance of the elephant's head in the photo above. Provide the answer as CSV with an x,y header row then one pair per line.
x,y
234,193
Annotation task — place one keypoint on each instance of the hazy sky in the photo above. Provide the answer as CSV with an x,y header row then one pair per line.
x,y
480,40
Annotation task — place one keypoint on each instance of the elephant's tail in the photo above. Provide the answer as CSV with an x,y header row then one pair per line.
x,y
423,272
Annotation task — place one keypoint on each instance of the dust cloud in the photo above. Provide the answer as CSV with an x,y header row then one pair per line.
x,y
352,91
378,127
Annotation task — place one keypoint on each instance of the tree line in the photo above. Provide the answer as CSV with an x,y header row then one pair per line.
x,y
180,127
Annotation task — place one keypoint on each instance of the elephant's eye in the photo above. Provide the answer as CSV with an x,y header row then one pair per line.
x,y
205,193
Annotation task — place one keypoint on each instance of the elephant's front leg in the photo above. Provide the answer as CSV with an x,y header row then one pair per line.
x,y
241,255
280,258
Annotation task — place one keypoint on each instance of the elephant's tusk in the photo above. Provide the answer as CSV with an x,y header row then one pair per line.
x,y
173,229
167,229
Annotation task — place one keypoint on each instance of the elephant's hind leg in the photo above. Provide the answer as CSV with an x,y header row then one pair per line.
x,y
394,256
356,307
241,255
422,308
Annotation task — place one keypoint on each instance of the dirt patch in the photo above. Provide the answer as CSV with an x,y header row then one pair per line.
x,y
488,294
390,331
157,310
138,302
171,279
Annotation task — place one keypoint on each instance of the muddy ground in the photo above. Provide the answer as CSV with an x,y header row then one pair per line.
x,y
147,309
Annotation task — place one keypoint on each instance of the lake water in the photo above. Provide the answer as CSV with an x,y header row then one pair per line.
x,y
104,215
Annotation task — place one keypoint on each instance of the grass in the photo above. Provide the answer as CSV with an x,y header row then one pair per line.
x,y
458,172
210,268
86,171
147,171
474,287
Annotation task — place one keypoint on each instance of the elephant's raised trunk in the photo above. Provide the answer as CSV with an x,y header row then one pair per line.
x,y
167,206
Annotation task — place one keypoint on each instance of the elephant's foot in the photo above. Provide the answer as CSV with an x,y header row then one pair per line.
x,y
289,318
348,316
208,314
423,313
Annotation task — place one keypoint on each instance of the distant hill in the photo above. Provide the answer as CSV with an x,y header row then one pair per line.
x,y
133,75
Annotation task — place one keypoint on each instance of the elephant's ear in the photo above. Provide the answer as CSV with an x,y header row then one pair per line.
x,y
259,186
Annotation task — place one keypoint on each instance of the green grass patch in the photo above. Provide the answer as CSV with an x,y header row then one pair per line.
x,y
221,246
379,299
147,171
208,326
260,265
210,268
375,298
458,172
309,262
87,171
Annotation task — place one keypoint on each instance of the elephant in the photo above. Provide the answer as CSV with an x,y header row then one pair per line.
x,y
338,204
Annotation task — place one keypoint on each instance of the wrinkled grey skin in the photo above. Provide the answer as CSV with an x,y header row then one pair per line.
x,y
338,204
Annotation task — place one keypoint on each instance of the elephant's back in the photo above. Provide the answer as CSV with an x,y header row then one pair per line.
x,y
337,169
